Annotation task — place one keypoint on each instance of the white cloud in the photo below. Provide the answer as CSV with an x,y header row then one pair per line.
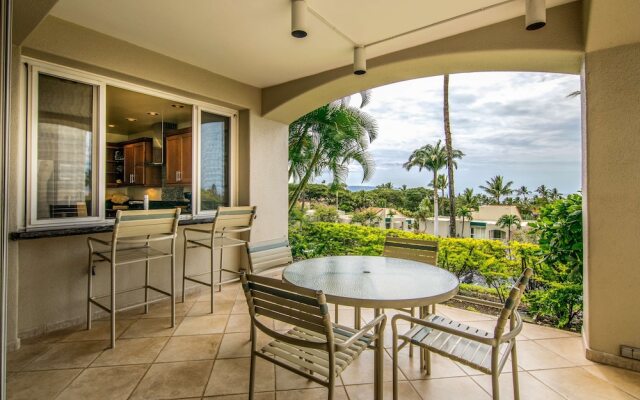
x,y
520,125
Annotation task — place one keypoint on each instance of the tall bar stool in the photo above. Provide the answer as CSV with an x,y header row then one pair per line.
x,y
136,230
228,221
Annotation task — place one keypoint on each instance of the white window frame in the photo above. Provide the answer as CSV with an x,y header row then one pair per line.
x,y
99,165
98,140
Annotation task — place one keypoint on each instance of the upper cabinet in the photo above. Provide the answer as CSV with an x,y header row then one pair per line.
x,y
137,168
179,157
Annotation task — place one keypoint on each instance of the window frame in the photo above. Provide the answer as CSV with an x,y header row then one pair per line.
x,y
35,66
99,135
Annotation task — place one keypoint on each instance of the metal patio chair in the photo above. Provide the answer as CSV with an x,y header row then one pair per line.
x,y
315,348
136,230
484,351
228,223
268,256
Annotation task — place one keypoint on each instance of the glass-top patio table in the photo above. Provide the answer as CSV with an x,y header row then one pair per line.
x,y
374,282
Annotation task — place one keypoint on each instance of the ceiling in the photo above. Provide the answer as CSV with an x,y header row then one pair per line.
x,y
123,104
249,40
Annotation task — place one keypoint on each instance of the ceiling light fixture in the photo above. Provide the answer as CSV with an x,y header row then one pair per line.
x,y
359,60
131,119
152,113
177,106
298,19
111,126
535,14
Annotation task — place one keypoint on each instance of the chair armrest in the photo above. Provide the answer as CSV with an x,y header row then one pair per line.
x,y
380,320
515,331
236,230
467,335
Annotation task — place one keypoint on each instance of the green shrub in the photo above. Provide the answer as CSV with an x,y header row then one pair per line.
x,y
550,294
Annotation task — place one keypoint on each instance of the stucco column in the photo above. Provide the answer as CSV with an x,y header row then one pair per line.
x,y
611,89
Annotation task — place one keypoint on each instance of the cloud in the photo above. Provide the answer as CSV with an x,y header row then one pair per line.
x,y
521,125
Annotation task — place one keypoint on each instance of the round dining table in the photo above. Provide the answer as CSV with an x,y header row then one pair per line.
x,y
374,282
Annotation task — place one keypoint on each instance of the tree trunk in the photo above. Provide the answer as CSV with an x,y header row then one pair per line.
x,y
436,222
462,230
449,147
303,182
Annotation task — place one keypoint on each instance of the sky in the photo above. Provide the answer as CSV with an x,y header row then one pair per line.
x,y
516,124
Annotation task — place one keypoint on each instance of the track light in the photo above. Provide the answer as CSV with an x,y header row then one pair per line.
x,y
359,60
536,14
298,18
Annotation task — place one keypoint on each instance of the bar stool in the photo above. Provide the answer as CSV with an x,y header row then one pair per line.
x,y
228,221
136,230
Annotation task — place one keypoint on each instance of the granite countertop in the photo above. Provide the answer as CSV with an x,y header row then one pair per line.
x,y
87,230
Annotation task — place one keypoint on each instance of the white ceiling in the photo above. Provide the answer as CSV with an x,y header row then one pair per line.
x,y
249,40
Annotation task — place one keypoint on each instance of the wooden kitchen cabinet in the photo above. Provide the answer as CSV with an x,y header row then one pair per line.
x,y
179,158
137,168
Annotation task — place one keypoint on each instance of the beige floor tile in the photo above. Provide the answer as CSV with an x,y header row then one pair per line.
x,y
257,396
570,348
151,327
104,383
163,309
238,323
530,387
449,389
187,348
240,307
18,360
365,392
473,372
534,332
232,377
68,355
311,394
38,384
204,325
441,367
131,351
576,383
220,307
287,380
235,345
626,380
361,370
50,337
532,356
174,380
100,330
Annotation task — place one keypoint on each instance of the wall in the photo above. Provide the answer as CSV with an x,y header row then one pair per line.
x,y
612,186
48,276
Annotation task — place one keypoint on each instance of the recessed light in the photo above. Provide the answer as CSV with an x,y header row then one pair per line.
x,y
177,105
152,113
111,126
131,119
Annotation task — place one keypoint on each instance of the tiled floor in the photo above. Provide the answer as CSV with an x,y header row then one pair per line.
x,y
206,357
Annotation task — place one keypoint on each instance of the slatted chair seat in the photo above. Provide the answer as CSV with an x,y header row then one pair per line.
x,y
133,254
269,255
317,360
463,350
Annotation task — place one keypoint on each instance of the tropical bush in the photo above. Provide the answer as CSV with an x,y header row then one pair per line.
x,y
485,267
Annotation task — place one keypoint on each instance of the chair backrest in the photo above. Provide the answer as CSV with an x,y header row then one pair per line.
x,y
425,251
300,307
512,302
236,218
269,254
138,223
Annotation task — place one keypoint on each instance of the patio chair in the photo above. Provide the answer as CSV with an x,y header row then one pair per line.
x,y
315,348
136,230
269,256
484,351
229,221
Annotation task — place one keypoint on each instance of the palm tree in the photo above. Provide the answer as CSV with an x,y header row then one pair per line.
x,y
329,138
555,194
543,192
506,222
423,212
496,187
469,199
450,157
432,158
441,184
523,192
465,213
